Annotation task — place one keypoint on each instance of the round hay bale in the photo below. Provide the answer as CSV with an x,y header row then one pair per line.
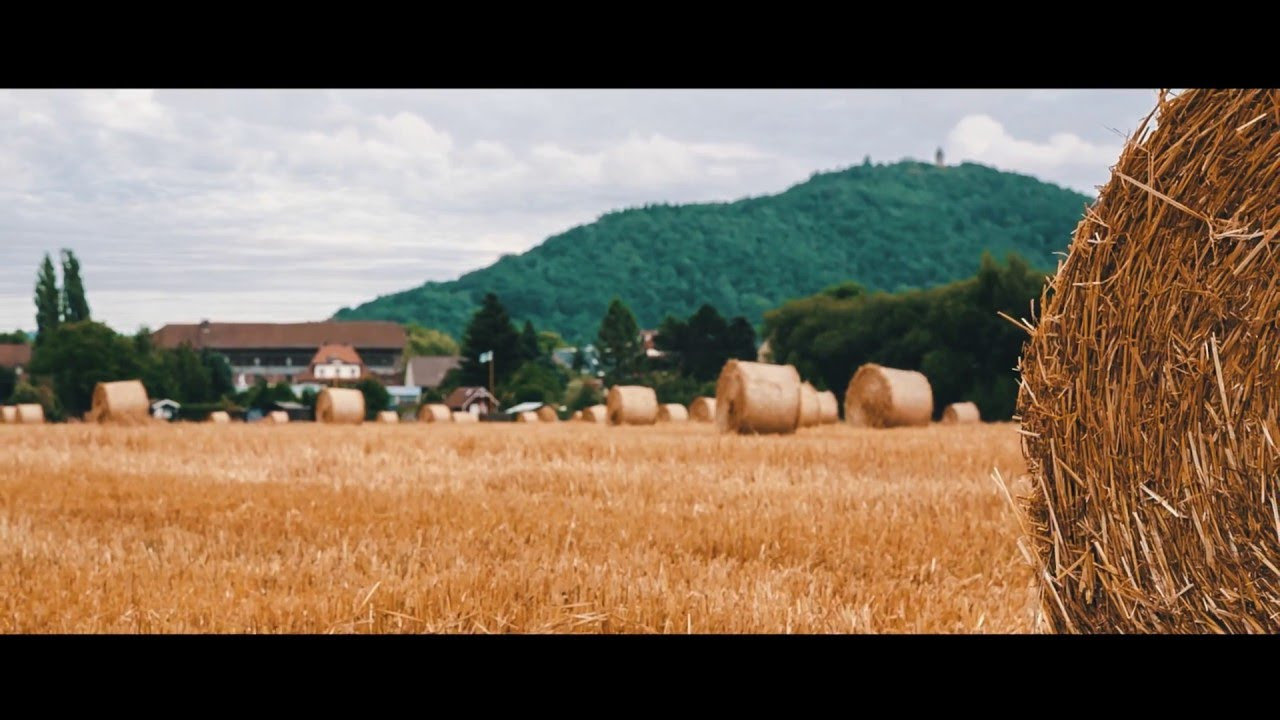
x,y
882,397
1149,401
528,416
8,414
122,402
672,412
460,416
546,413
219,416
577,415
340,405
828,408
757,398
632,405
435,412
389,417
277,417
961,412
703,409
810,406
595,414
29,414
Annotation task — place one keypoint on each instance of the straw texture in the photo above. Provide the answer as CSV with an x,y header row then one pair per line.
x,y
810,406
435,412
632,405
828,408
757,398
672,412
595,414
546,413
122,402
882,397
1149,394
340,405
962,412
703,409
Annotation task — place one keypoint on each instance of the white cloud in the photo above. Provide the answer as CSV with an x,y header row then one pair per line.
x,y
128,110
981,138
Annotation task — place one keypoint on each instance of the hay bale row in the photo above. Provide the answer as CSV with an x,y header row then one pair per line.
x,y
435,412
632,405
1149,401
8,414
546,413
596,414
577,415
703,409
219,417
828,408
882,397
961,413
340,405
528,416
28,414
810,406
389,417
672,412
276,417
460,416
757,398
123,402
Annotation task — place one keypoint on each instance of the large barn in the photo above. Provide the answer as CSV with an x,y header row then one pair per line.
x,y
281,352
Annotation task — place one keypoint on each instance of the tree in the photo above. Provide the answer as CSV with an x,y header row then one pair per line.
x,y
579,359
48,301
619,339
75,308
529,348
490,330
78,356
703,344
739,341
17,337
8,380
42,395
376,397
221,383
534,382
583,394
550,341
190,379
428,341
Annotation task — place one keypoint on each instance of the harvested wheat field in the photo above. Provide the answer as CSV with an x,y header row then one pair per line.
x,y
504,528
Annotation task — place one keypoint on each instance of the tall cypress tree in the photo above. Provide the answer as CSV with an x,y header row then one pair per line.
x,y
48,300
529,349
490,330
75,307
619,338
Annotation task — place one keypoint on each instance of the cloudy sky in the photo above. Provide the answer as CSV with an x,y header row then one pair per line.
x,y
286,205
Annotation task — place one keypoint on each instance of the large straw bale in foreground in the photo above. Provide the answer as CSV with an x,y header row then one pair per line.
x,y
703,409
340,405
632,405
828,408
435,412
672,412
595,414
29,414
757,398
1150,392
810,406
960,413
122,402
882,397
546,413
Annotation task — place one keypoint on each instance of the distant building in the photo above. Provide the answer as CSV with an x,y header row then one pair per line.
x,y
333,364
937,158
648,340
165,409
428,371
15,356
765,353
590,358
279,352
475,400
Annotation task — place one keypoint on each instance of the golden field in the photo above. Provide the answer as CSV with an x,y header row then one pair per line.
x,y
509,528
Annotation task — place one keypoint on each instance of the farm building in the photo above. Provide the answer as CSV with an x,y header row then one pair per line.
x,y
279,352
15,356
334,363
428,371
165,409
475,400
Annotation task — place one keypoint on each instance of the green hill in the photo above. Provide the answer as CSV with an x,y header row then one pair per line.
x,y
889,227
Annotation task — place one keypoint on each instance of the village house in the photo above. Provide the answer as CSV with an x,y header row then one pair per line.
x,y
475,400
280,352
15,356
428,371
333,364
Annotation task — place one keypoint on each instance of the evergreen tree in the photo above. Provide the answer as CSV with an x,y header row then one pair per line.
x,y
48,301
529,349
75,307
619,339
490,330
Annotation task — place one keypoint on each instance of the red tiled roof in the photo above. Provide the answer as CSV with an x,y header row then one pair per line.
x,y
15,355
333,351
227,336
429,370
